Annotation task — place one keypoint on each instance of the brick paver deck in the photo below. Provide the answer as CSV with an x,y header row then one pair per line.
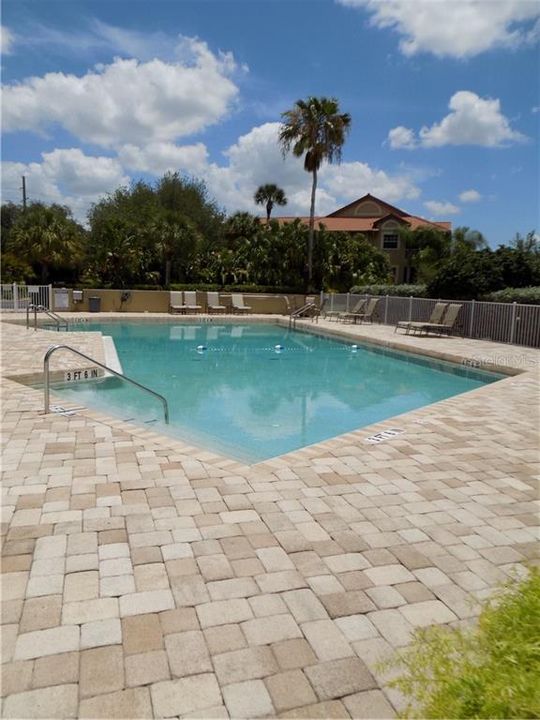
x,y
146,578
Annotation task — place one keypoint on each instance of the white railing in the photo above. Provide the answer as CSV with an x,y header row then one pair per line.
x,y
513,323
18,297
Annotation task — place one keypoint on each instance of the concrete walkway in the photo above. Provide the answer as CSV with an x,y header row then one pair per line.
x,y
142,577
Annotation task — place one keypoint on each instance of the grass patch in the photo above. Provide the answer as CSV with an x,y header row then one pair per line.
x,y
491,670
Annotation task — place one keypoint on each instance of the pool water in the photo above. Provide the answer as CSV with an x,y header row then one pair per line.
x,y
244,397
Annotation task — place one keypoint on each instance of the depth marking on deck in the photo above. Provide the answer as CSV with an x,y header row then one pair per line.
x,y
383,435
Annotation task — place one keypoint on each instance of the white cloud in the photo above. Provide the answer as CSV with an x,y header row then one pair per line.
x,y
127,101
472,121
6,40
402,137
70,177
160,157
459,29
470,196
64,176
440,209
256,159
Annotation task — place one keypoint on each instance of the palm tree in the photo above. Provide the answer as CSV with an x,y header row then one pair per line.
x,y
269,195
314,128
464,237
47,235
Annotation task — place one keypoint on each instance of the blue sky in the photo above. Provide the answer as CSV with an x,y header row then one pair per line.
x,y
444,99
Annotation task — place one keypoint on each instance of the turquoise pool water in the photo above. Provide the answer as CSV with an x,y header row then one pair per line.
x,y
242,397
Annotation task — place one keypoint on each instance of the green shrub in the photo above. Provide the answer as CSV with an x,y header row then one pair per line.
x,y
489,671
526,295
237,288
404,290
196,286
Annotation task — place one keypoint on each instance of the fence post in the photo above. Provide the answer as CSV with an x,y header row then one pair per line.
x,y
471,321
50,298
321,301
410,308
348,301
331,301
513,326
15,297
386,310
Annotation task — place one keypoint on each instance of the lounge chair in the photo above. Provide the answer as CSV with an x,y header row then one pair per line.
x,y
190,301
237,303
365,315
435,319
188,305
448,323
338,314
176,303
213,304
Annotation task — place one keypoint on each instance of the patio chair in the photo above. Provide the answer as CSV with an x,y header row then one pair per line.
x,y
189,304
213,304
448,323
338,314
238,305
366,315
190,301
176,303
435,318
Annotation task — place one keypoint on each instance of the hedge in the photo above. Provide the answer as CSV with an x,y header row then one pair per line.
x,y
526,295
405,290
203,287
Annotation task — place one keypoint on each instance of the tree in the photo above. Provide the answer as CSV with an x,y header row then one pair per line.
x,y
465,237
528,244
48,236
315,129
269,195
427,247
350,259
466,275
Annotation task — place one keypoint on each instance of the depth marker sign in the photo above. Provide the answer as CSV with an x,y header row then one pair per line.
x,y
81,375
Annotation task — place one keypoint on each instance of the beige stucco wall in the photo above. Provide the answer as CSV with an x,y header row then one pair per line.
x,y
158,301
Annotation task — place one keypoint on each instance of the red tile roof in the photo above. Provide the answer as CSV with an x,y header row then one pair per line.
x,y
357,224
336,222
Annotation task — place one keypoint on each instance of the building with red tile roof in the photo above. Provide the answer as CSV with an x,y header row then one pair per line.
x,y
380,223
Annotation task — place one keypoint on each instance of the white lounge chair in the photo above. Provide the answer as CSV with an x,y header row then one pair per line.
x,y
213,304
238,305
176,302
188,305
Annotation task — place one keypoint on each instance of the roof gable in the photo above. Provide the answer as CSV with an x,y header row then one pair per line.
x,y
368,206
390,216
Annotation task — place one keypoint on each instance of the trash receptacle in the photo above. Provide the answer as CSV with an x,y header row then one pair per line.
x,y
94,304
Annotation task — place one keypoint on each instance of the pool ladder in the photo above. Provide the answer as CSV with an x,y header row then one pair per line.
x,y
310,309
46,386
41,308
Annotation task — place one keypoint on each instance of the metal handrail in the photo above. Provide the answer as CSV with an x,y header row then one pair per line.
x,y
46,388
41,308
301,312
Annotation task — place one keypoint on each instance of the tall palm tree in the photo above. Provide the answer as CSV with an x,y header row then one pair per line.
x,y
269,195
314,128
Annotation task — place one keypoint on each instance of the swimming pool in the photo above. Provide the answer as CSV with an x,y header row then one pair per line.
x,y
260,390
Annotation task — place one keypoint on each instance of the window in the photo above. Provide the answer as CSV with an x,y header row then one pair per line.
x,y
390,241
